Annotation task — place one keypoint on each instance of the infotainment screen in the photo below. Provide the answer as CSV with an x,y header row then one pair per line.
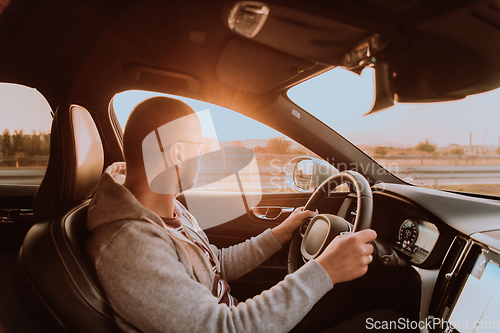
x,y
477,309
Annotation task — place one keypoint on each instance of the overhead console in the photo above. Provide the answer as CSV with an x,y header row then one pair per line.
x,y
277,43
418,45
320,39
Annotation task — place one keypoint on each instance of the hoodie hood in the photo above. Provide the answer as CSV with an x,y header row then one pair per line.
x,y
113,202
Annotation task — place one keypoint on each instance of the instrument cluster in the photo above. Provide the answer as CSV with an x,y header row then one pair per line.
x,y
417,238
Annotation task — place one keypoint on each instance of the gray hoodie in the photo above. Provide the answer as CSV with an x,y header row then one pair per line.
x,y
157,280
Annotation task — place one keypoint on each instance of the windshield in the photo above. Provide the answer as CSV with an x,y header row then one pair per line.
x,y
447,145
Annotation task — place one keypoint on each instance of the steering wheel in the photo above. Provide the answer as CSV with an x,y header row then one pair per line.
x,y
322,228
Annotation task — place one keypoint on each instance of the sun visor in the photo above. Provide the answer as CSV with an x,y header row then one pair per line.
x,y
317,38
256,68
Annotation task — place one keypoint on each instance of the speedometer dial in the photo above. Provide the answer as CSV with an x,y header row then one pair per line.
x,y
408,233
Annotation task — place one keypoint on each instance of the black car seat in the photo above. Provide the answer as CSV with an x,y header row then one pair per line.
x,y
57,284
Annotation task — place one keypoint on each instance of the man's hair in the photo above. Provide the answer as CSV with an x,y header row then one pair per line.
x,y
145,118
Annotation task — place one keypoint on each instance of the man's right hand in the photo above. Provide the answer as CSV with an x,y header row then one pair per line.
x,y
347,257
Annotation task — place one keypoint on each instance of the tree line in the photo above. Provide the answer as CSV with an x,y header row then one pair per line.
x,y
20,144
276,145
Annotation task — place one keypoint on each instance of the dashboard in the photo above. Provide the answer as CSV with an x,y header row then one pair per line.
x,y
454,239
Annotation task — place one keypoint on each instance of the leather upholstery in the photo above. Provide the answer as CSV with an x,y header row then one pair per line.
x,y
57,281
75,163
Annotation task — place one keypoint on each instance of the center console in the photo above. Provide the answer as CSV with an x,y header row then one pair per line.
x,y
468,290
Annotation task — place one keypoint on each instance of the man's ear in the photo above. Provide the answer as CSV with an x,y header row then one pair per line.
x,y
175,153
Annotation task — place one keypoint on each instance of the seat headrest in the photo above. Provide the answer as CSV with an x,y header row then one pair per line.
x,y
75,164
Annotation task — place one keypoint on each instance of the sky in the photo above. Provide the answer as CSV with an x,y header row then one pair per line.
x,y
338,98
23,108
223,119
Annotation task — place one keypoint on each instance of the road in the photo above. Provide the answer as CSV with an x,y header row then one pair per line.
x,y
21,176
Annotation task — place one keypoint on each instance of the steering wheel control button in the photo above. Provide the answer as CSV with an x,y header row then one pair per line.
x,y
304,226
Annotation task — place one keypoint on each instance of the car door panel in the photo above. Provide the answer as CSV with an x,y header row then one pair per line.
x,y
247,225
16,207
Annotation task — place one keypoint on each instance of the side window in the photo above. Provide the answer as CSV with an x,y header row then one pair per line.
x,y
272,149
25,119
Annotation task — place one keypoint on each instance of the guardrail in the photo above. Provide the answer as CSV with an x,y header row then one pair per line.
x,y
436,170
449,174
422,158
24,161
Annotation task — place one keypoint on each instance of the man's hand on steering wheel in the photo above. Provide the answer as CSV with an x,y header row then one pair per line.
x,y
347,256
284,231
341,248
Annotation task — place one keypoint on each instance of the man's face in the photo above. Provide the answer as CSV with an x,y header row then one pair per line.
x,y
188,168
172,154
188,171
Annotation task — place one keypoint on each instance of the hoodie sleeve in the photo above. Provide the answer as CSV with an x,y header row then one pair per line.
x,y
237,260
150,289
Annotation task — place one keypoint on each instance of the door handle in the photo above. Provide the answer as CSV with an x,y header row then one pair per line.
x,y
11,215
270,213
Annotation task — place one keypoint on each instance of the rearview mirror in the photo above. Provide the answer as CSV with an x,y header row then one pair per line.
x,y
305,174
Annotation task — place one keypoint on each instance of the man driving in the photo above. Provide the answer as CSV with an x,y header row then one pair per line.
x,y
156,265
